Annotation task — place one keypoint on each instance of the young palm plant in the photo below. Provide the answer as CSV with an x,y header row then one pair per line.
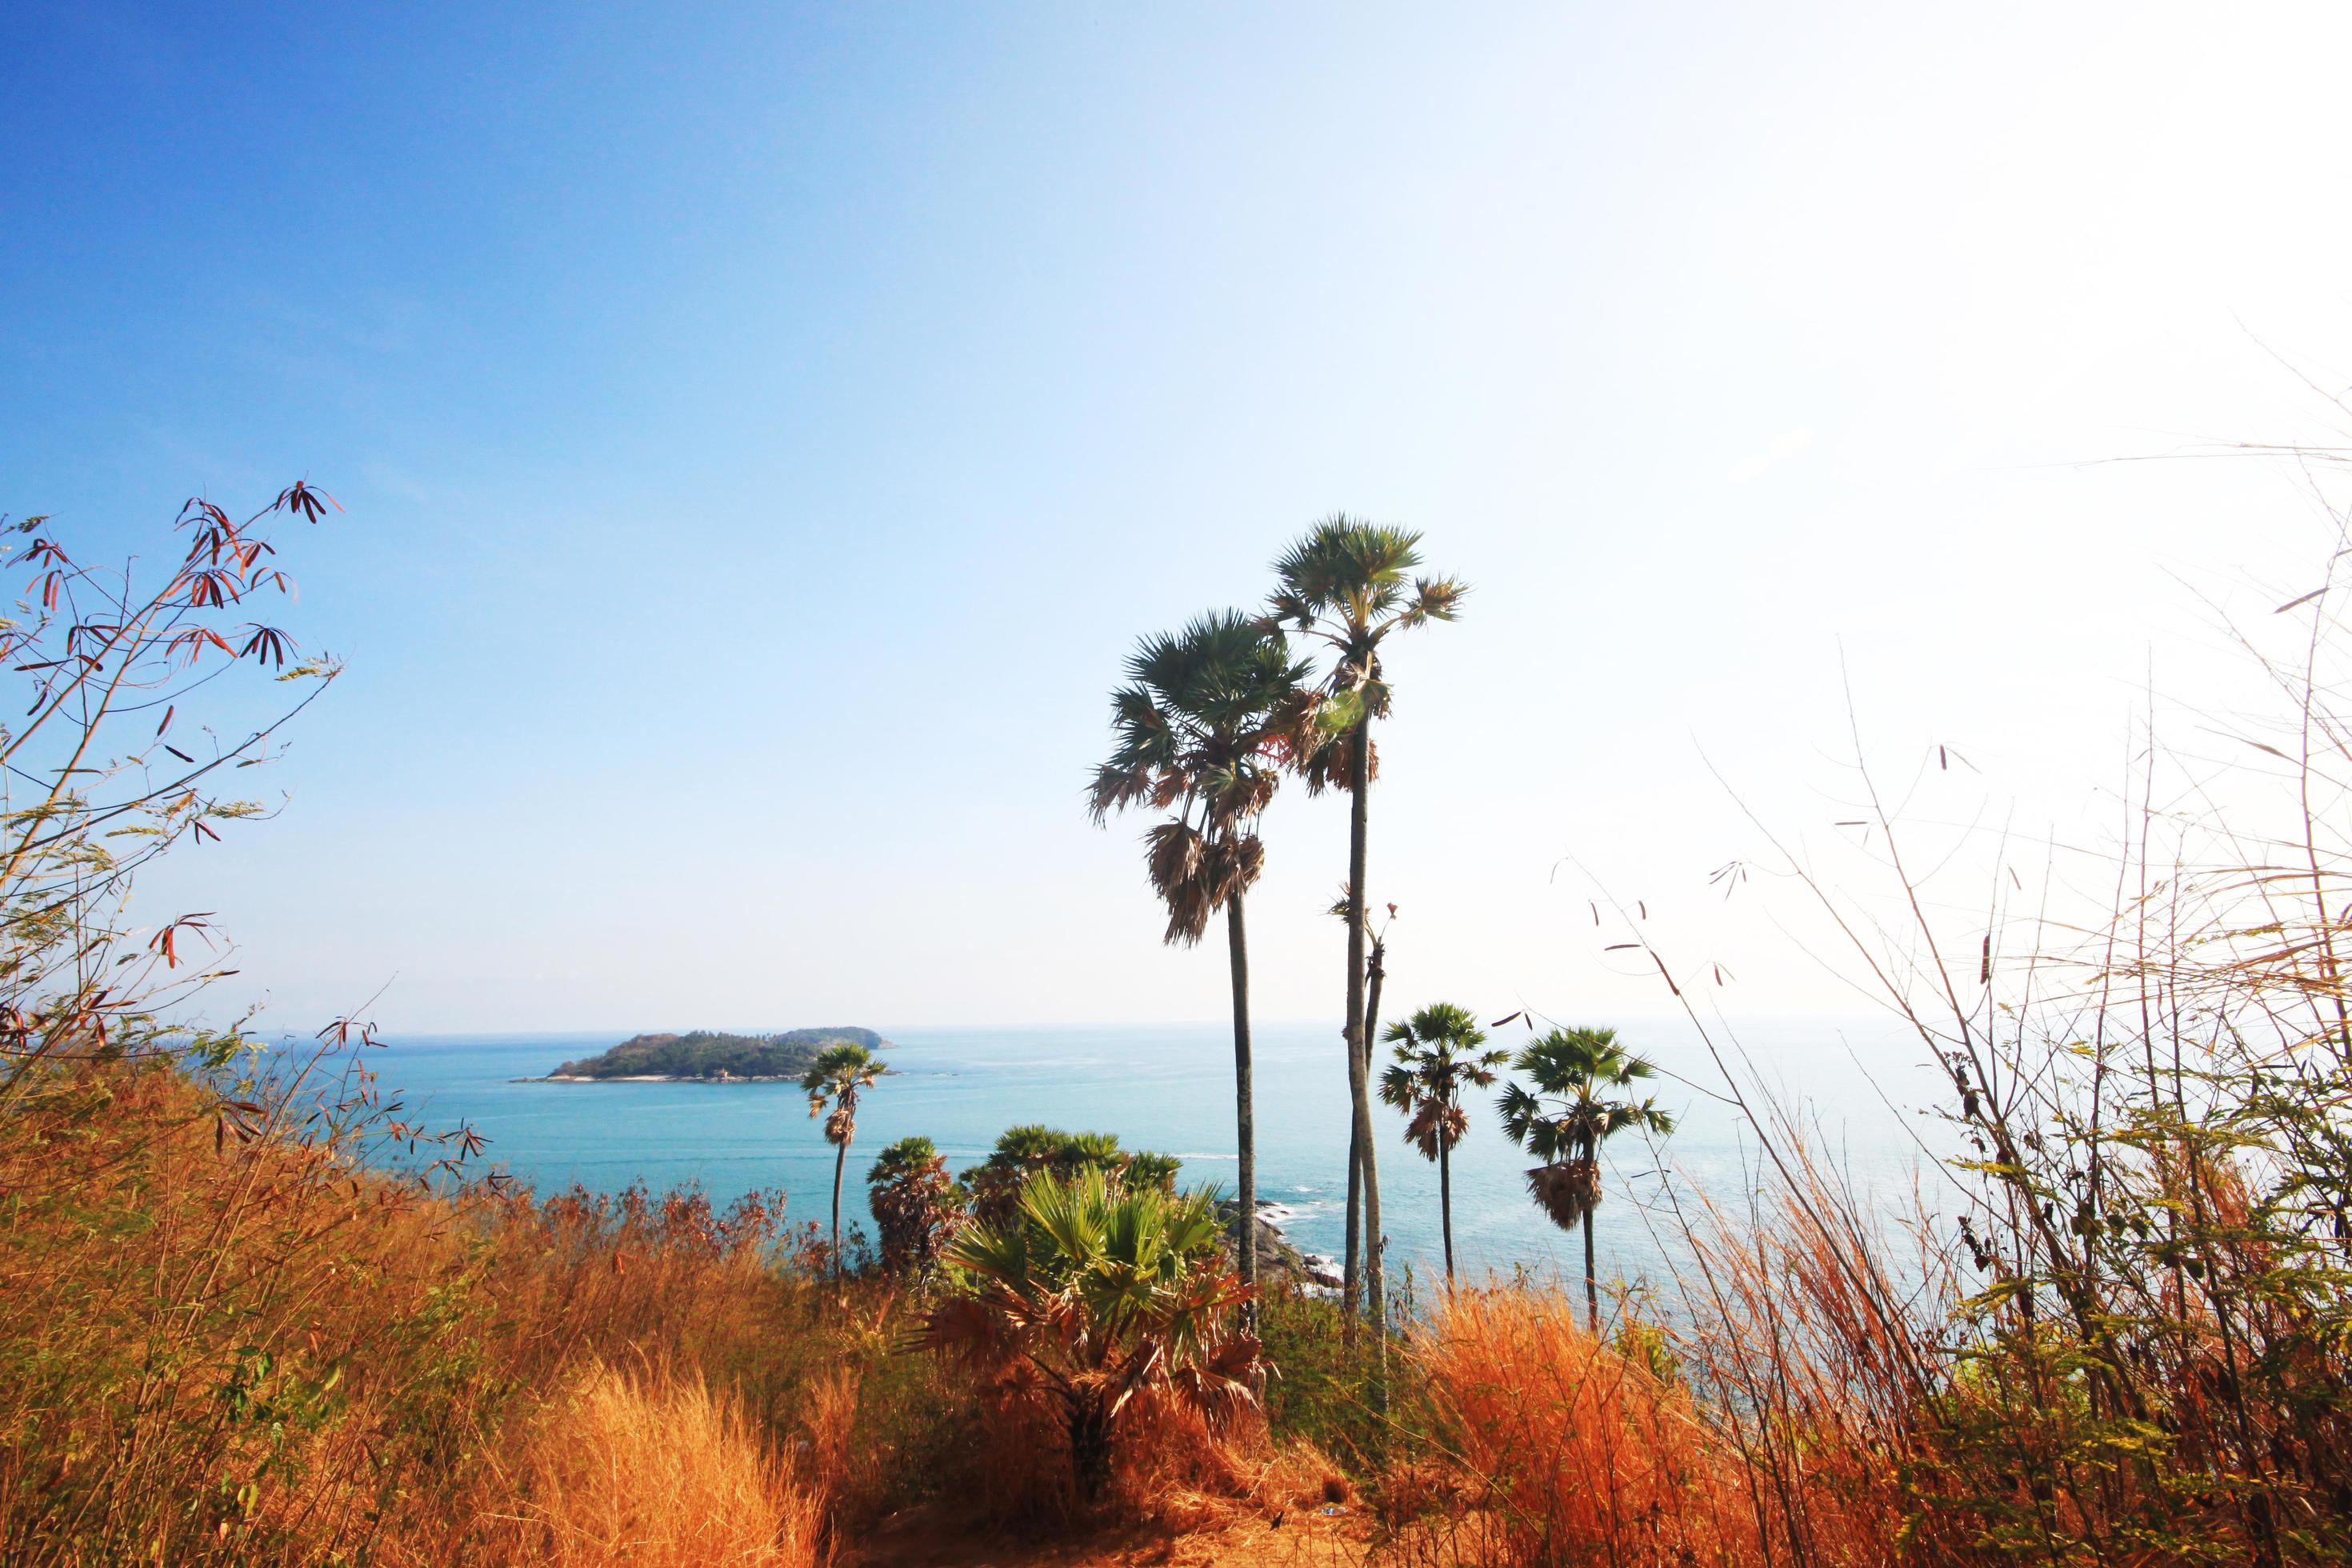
x,y
833,1082
1579,1102
1201,730
1347,583
1105,1303
1437,1057
915,1205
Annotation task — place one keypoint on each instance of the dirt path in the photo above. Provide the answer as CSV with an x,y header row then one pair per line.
x,y
1303,1538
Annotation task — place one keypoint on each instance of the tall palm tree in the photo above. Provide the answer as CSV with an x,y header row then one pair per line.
x,y
1201,730
1579,1102
1347,583
1437,1057
833,1082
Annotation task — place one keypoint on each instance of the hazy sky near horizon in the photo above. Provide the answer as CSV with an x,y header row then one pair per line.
x,y
764,430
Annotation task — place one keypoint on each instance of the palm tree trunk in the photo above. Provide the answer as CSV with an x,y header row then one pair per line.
x,y
1352,1280
1592,1291
1358,1064
1352,1277
1445,1205
1089,1426
1245,1109
840,1158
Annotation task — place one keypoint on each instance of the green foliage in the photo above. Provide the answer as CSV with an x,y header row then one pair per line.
x,y
908,1156
1321,1388
1349,584
916,1207
1031,1150
835,1080
706,1053
1200,731
1103,1304
1577,1102
1437,1057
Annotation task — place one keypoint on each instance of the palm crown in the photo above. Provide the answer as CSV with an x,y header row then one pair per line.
x,y
1437,1057
911,1157
833,1082
1201,726
1349,584
1579,1102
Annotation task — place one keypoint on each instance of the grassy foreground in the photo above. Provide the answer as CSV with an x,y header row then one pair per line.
x,y
240,1349
224,1339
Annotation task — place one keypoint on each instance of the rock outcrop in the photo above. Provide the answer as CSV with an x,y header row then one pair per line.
x,y
1280,1266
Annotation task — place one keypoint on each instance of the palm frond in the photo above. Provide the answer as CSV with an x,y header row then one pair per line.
x,y
1344,568
1106,1304
1212,714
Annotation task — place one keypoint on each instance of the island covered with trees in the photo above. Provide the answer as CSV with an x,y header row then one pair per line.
x,y
711,1055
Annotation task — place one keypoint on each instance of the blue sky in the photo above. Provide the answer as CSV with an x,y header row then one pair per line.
x,y
762,432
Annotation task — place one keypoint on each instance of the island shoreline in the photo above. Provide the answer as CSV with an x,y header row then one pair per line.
x,y
661,1078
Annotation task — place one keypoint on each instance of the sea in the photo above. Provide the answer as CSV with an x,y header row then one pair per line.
x,y
1858,1089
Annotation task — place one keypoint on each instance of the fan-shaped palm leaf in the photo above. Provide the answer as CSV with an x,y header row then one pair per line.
x,y
1103,1303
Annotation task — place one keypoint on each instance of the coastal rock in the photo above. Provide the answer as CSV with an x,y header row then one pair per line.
x,y
1280,1266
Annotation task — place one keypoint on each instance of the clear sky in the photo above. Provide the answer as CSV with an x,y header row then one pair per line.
x,y
764,430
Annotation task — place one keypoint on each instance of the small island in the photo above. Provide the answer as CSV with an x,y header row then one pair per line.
x,y
708,1056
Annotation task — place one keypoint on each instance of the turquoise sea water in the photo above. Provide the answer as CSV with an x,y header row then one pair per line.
x,y
1166,1088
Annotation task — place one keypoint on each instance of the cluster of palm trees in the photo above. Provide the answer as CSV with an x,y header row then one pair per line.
x,y
1576,1099
1208,721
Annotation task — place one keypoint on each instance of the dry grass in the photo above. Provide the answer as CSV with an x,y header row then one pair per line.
x,y
224,1349
655,1471
215,1349
1549,1447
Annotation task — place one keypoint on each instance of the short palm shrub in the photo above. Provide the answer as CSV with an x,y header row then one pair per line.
x,y
1031,1150
1105,1307
917,1206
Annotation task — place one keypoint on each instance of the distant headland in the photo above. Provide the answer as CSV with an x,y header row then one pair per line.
x,y
706,1056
